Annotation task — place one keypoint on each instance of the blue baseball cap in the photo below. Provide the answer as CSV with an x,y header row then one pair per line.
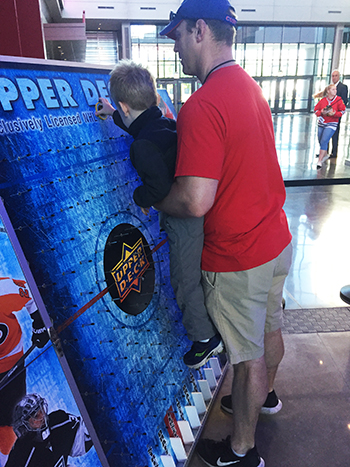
x,y
221,10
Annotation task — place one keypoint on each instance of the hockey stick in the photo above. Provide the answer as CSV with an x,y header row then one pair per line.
x,y
96,298
4,380
54,332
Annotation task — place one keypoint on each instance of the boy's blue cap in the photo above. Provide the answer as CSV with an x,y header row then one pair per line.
x,y
196,9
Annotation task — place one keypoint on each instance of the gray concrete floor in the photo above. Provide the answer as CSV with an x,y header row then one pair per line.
x,y
313,427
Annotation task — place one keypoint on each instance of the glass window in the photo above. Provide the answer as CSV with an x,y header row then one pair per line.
x,y
101,48
273,34
239,54
269,91
327,61
345,59
253,59
325,35
185,91
323,60
239,35
329,35
306,59
344,62
273,55
286,94
291,34
309,35
143,31
289,58
319,85
271,58
301,94
252,34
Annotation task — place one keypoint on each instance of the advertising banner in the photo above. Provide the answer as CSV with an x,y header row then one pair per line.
x,y
38,382
101,266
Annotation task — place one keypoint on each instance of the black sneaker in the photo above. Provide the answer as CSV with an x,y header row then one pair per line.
x,y
271,406
201,352
219,454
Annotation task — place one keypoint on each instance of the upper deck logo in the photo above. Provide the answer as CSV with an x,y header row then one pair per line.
x,y
127,273
129,269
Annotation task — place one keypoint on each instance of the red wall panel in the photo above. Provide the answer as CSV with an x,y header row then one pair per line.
x,y
21,29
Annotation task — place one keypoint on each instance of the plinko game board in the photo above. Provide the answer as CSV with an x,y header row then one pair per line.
x,y
39,380
98,270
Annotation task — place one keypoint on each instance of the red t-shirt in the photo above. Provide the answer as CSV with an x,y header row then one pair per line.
x,y
225,132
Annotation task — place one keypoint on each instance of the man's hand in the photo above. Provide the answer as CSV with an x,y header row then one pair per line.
x,y
40,335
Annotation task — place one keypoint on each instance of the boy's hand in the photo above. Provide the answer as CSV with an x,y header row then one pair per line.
x,y
104,107
145,211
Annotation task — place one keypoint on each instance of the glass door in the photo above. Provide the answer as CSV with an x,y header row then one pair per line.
x,y
179,90
286,94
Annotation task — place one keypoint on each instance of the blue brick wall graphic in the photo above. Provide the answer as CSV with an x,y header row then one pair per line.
x,y
67,182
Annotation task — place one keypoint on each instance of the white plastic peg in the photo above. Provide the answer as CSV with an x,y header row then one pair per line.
x,y
209,376
186,432
192,415
215,365
167,461
178,448
199,403
205,389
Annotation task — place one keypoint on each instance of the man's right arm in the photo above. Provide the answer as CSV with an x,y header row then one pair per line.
x,y
189,197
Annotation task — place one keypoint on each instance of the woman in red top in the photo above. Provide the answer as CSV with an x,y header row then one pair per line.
x,y
328,110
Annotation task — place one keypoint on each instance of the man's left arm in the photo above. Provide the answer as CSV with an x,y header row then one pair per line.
x,y
343,92
346,94
189,197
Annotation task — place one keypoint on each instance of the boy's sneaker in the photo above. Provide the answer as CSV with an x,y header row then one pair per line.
x,y
201,352
219,454
271,406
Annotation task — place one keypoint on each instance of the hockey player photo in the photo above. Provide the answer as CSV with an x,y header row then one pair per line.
x,y
14,295
46,439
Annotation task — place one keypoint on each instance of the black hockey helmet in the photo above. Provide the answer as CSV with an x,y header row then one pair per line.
x,y
27,410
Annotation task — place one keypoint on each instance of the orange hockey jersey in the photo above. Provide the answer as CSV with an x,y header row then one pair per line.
x,y
14,295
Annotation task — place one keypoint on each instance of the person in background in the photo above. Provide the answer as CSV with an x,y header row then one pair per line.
x,y
342,91
227,170
328,111
153,154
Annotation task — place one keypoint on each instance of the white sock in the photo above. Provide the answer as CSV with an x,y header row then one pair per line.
x,y
205,341
236,453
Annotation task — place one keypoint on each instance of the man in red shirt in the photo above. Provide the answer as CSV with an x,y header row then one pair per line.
x,y
227,170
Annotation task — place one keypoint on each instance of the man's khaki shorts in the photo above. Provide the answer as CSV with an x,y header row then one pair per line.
x,y
245,305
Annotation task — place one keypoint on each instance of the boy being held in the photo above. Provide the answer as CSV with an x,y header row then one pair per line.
x,y
153,154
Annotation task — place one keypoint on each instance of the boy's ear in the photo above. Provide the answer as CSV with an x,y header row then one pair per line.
x,y
125,108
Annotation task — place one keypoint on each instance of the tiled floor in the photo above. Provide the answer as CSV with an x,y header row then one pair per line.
x,y
313,428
